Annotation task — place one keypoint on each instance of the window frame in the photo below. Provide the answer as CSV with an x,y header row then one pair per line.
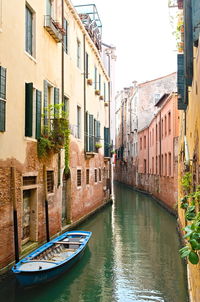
x,y
30,36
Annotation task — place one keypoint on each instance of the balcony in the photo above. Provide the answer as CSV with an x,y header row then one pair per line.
x,y
53,28
90,19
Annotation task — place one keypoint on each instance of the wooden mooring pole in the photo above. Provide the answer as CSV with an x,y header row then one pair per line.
x,y
46,204
14,206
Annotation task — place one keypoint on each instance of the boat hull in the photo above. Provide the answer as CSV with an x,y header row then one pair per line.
x,y
36,269
29,279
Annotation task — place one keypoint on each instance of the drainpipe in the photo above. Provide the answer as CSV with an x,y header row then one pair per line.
x,y
15,221
84,91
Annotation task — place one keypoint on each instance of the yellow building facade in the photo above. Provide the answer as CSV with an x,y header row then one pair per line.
x,y
189,147
48,56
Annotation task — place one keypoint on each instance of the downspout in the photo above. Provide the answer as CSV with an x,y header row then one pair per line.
x,y
84,92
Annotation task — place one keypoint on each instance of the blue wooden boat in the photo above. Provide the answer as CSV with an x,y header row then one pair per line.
x,y
52,259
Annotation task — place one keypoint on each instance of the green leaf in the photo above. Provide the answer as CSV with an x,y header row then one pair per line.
x,y
195,236
188,234
185,254
191,209
183,249
194,244
193,257
190,216
184,206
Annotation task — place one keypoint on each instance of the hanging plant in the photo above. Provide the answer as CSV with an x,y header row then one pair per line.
x,y
55,134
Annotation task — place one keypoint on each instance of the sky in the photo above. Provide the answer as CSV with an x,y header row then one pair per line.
x,y
141,32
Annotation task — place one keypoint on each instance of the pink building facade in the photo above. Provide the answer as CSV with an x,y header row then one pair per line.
x,y
158,155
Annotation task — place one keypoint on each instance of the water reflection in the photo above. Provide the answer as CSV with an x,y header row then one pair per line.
x,y
132,256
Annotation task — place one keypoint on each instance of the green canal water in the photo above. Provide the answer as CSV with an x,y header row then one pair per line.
x,y
132,256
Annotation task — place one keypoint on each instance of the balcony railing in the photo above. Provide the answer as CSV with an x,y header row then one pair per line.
x,y
53,28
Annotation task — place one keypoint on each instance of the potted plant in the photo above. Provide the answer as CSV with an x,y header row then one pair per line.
x,y
101,97
97,92
89,82
98,145
106,104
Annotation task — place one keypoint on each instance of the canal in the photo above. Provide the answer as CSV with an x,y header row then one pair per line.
x,y
132,256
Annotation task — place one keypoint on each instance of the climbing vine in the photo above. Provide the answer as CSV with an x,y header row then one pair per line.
x,y
190,204
55,134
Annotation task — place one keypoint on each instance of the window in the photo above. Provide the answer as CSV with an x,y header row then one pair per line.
x,y
145,142
99,174
29,180
162,172
95,78
140,143
152,165
50,96
66,104
145,166
2,98
169,159
78,122
162,128
156,133
29,31
99,82
95,175
169,123
50,181
78,54
156,165
87,176
78,177
49,7
86,65
165,125
165,164
104,93
152,137
65,36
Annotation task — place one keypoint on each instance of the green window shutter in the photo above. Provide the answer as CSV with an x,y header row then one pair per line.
x,y
91,133
196,20
56,102
188,42
38,113
86,132
181,82
2,83
2,115
98,131
106,142
29,109
45,104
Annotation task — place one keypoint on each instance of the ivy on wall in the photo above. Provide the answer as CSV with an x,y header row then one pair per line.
x,y
190,204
